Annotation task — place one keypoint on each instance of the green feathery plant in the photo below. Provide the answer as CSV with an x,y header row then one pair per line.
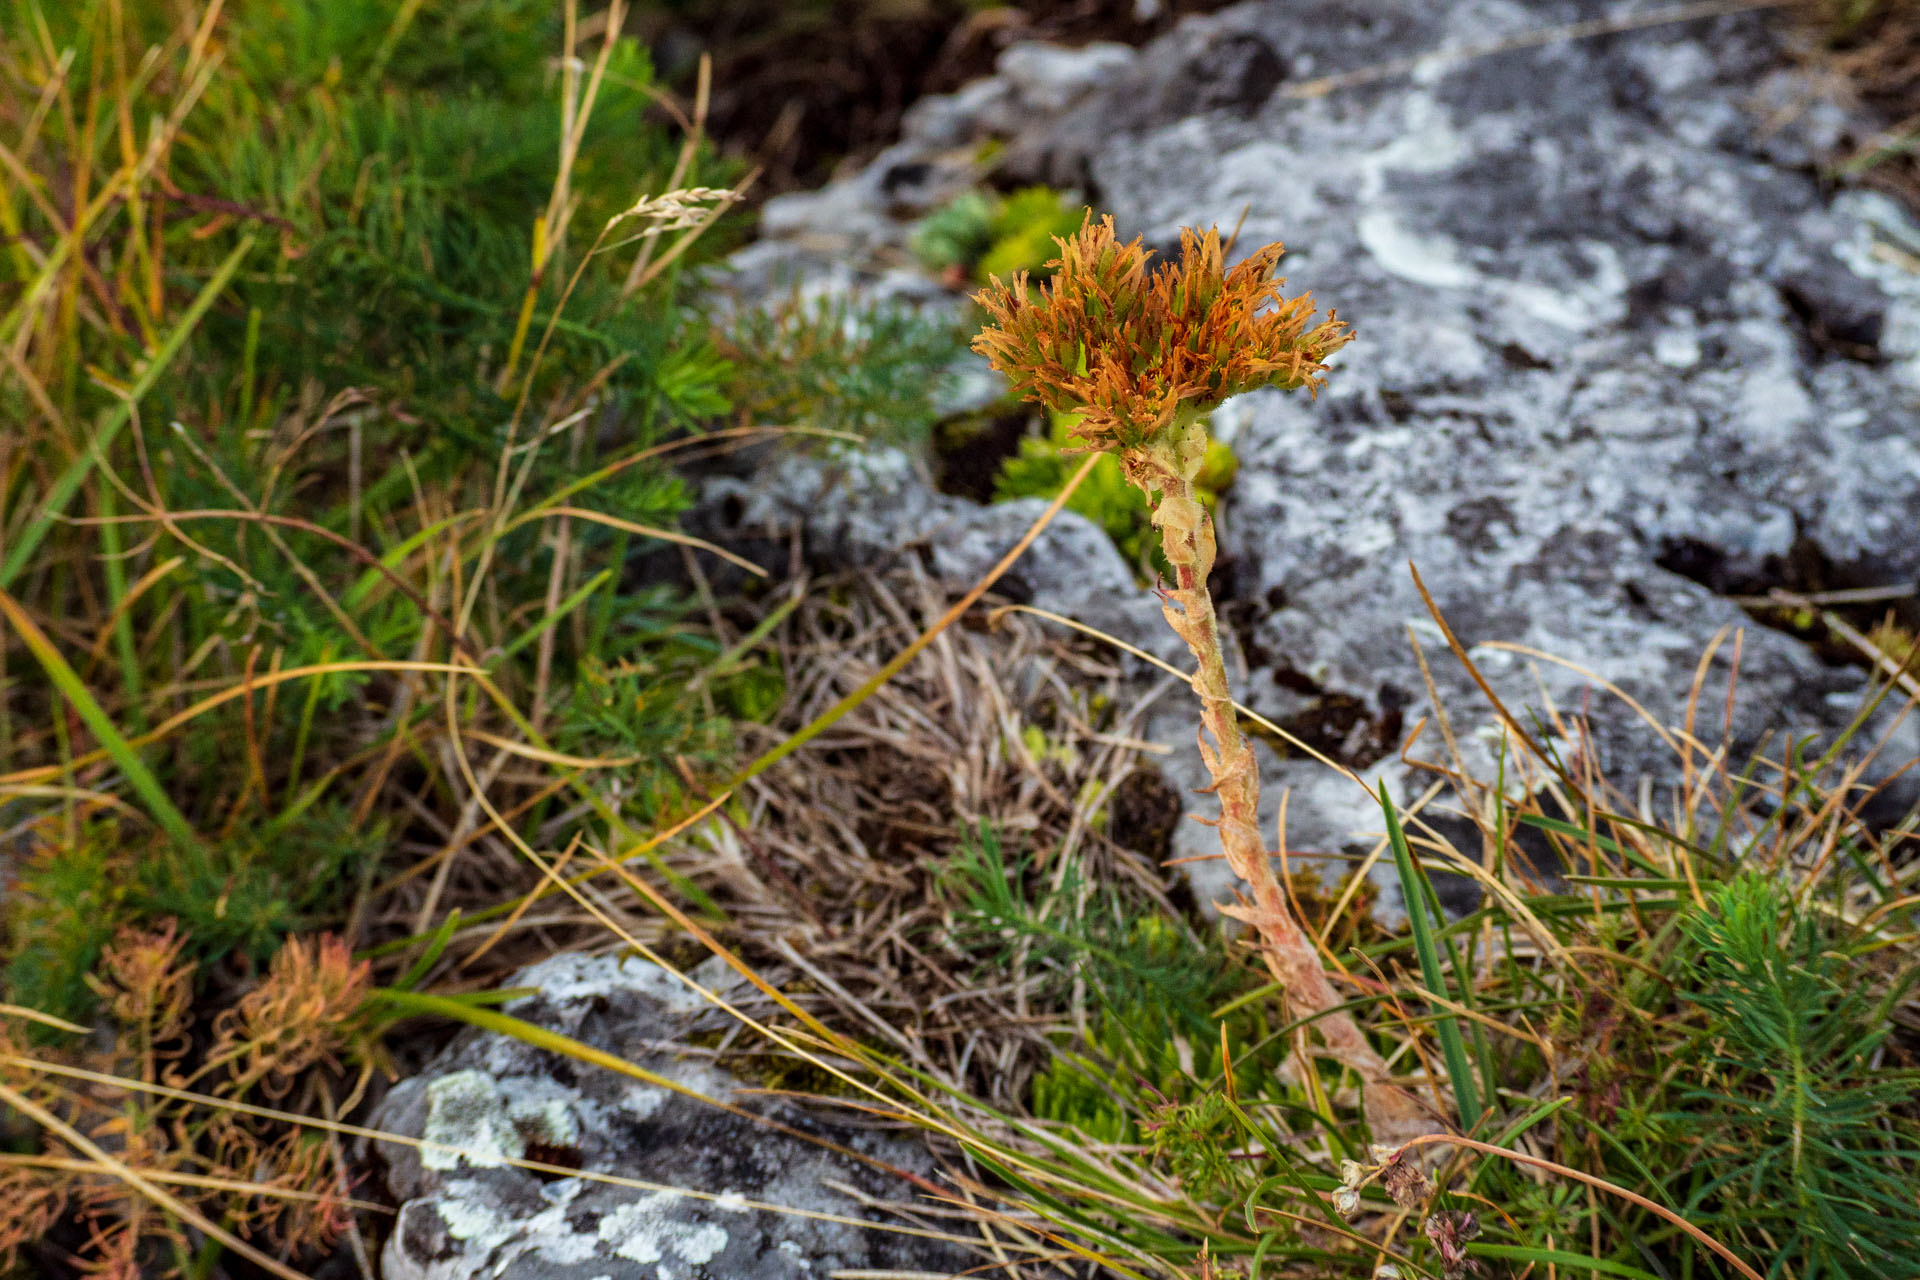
x,y
873,371
350,347
1787,1046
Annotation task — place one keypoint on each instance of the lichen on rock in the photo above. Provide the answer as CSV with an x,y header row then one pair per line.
x,y
668,1187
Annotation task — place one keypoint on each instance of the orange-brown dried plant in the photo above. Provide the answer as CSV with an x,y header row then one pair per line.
x,y
302,1026
1142,355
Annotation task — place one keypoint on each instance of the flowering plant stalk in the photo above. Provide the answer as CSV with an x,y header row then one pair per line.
x,y
1141,357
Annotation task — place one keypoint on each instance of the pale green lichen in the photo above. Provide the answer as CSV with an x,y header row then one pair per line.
x,y
471,1120
641,1232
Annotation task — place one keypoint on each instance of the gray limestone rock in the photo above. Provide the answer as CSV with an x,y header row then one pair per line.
x,y
1614,357
699,1181
1621,354
1224,62
852,235
867,508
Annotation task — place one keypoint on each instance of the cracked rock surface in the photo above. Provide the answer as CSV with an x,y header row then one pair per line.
x,y
704,1176
1620,352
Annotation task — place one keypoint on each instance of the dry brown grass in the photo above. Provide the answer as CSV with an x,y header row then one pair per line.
x,y
831,867
1873,46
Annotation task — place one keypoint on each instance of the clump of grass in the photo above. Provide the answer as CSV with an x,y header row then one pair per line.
x,y
1793,1051
859,854
334,279
353,346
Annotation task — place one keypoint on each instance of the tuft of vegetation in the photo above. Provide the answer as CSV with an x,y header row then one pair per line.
x,y
276,383
868,371
237,898
979,235
1791,1048
351,346
197,1122
1693,1042
1045,463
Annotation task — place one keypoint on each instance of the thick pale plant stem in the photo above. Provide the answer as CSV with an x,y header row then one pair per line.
x,y
1186,532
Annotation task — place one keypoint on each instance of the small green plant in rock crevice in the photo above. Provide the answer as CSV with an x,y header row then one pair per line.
x,y
979,235
1045,463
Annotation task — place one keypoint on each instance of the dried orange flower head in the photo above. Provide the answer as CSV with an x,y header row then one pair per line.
x,y
1136,352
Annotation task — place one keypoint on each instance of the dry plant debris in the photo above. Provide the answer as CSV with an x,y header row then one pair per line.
x,y
835,865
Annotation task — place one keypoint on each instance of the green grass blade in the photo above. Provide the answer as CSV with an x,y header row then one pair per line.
x,y
436,946
113,562
530,1034
560,612
1558,1258
70,480
1414,888
75,691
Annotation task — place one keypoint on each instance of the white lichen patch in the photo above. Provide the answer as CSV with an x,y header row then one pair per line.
x,y
1430,260
701,1243
468,1121
545,1120
570,977
472,1120
642,1100
642,1231
1677,348
473,1221
496,1237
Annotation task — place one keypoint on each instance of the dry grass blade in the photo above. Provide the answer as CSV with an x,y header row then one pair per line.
x,y
363,1133
161,1198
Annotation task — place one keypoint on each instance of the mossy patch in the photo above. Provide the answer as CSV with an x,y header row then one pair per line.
x,y
1045,464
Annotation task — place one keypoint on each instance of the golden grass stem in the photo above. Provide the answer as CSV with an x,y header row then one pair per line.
x,y
1599,1184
